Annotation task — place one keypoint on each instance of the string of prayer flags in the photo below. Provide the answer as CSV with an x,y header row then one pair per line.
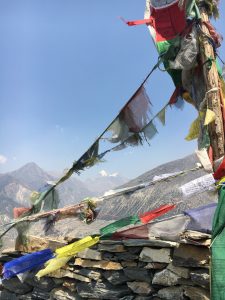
x,y
127,128
88,159
64,254
210,116
144,218
26,263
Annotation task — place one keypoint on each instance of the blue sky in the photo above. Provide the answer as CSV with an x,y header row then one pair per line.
x,y
66,69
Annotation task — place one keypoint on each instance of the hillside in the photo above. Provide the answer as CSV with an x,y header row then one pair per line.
x,y
158,194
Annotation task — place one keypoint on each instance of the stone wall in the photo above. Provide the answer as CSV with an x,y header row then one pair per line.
x,y
129,269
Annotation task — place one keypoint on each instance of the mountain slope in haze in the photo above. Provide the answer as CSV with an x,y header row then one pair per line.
x,y
102,183
31,176
16,187
158,194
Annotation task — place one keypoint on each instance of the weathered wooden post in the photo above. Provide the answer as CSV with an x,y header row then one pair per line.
x,y
212,83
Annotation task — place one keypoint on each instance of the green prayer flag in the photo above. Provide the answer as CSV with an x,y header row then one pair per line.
x,y
112,227
218,250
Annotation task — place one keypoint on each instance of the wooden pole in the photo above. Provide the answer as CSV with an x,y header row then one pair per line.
x,y
216,129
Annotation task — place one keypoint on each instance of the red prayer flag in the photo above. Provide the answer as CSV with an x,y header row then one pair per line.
x,y
152,214
18,211
136,22
220,172
175,95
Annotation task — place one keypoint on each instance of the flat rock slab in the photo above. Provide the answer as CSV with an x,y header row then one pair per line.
x,y
16,286
61,273
115,277
138,274
102,264
171,293
130,297
7,295
102,290
38,294
146,298
195,293
165,278
64,294
45,283
23,297
110,242
201,277
111,248
191,256
141,288
94,275
126,256
196,235
69,284
90,254
156,266
180,271
155,255
128,264
150,243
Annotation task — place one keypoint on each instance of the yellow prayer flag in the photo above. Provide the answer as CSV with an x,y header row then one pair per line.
x,y
220,182
210,116
194,130
53,265
187,97
74,248
34,196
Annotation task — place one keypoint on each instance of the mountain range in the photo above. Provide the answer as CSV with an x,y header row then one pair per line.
x,y
16,187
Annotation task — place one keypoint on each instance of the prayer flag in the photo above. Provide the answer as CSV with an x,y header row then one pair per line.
x,y
74,248
26,263
209,117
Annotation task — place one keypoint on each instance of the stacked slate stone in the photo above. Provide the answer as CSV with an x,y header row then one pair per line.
x,y
129,269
